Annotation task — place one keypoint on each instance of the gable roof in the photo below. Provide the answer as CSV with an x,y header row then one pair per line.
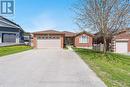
x,y
84,32
66,33
48,32
4,22
116,33
69,34
122,31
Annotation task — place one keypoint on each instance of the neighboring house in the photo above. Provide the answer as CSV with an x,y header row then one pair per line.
x,y
10,32
121,41
56,39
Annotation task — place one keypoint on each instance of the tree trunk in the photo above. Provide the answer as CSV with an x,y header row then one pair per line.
x,y
105,45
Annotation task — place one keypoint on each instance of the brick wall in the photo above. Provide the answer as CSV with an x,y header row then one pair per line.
x,y
78,44
122,36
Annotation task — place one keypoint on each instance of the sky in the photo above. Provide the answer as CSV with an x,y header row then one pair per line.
x,y
38,15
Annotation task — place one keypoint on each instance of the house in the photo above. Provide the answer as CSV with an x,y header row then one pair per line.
x,y
57,39
118,43
27,38
121,41
10,32
69,38
83,40
48,39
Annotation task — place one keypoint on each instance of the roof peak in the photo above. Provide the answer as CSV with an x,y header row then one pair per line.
x,y
9,23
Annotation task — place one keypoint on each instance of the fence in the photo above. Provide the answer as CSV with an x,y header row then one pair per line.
x,y
98,47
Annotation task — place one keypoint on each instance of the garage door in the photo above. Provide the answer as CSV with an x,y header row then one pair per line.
x,y
122,47
48,43
8,38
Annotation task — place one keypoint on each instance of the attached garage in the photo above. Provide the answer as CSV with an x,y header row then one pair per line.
x,y
121,46
49,42
121,41
48,39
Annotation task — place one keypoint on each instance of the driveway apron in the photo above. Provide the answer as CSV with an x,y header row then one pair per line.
x,y
46,68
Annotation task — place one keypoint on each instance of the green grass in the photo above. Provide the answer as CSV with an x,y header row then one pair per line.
x,y
113,69
13,49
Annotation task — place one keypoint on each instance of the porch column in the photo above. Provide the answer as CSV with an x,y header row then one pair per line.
x,y
17,38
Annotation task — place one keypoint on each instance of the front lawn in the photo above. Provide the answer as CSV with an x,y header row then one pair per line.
x,y
113,69
13,49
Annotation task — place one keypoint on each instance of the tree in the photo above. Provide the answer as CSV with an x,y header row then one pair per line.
x,y
103,16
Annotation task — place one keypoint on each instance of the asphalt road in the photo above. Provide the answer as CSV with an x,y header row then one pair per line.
x,y
46,68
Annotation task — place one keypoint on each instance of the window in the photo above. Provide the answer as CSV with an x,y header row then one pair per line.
x,y
57,37
83,39
43,37
46,37
50,37
38,37
54,37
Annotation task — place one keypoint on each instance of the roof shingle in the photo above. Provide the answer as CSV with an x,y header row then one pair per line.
x,y
69,34
48,32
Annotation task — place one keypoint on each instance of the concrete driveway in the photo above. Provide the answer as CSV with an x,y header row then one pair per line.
x,y
46,68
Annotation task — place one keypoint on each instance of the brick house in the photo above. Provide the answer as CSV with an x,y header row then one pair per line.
x,y
121,41
57,39
83,40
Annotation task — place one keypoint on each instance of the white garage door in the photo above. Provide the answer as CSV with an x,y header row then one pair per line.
x,y
122,47
49,43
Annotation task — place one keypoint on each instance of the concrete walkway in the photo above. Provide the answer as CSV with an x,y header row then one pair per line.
x,y
46,68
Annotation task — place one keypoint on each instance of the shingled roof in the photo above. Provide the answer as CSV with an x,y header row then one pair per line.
x,y
48,32
4,22
69,34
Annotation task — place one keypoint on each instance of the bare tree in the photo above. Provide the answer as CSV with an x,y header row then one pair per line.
x,y
104,16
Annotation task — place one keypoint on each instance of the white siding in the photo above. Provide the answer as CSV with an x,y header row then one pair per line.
x,y
17,38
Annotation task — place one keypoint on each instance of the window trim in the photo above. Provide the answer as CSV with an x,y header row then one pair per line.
x,y
83,41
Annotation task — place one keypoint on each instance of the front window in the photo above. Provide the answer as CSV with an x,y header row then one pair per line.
x,y
84,39
38,37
